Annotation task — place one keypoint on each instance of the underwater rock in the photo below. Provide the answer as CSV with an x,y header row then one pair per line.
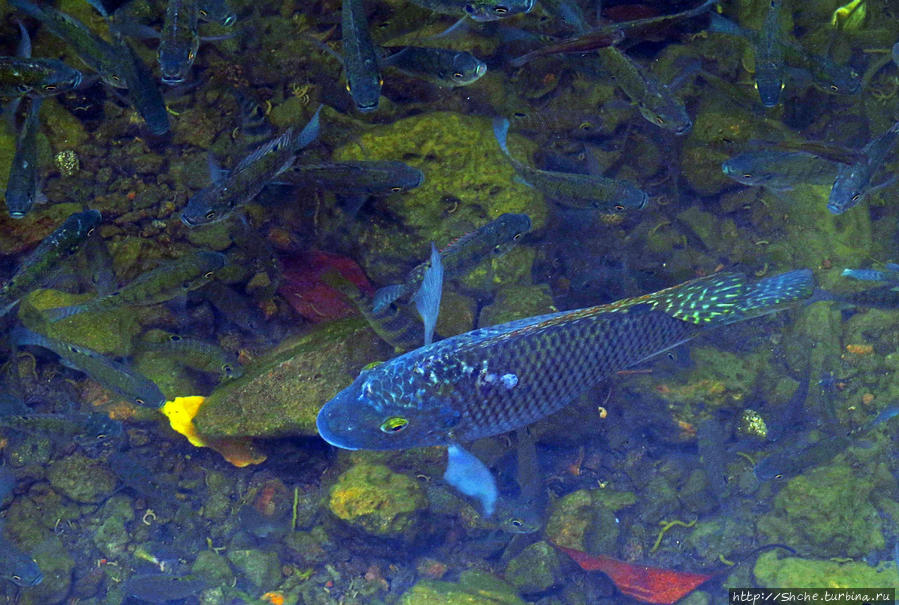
x,y
262,569
467,184
473,588
514,302
81,479
792,572
281,393
106,332
826,510
212,567
377,500
535,569
56,566
585,520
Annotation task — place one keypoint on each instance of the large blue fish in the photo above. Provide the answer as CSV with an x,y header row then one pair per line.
x,y
497,379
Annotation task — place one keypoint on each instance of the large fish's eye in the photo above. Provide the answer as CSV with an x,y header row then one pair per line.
x,y
394,424
500,10
50,87
210,215
516,522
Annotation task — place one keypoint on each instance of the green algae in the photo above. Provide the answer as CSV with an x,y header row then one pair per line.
x,y
514,302
585,519
281,393
260,568
107,332
473,588
468,182
535,569
794,572
168,374
65,130
377,500
828,510
81,478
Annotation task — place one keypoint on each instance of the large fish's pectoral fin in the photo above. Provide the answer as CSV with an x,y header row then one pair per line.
x,y
471,477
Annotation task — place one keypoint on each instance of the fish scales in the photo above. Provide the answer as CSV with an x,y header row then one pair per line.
x,y
493,380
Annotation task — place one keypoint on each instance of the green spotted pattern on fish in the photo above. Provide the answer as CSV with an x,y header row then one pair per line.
x,y
159,285
60,245
462,255
497,379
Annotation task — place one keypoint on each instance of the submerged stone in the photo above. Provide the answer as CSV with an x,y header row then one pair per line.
x,y
473,588
377,500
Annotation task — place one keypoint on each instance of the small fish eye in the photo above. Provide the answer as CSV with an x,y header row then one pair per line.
x,y
517,236
210,215
16,578
458,75
394,424
227,369
185,284
396,189
779,476
469,9
835,88
174,338
380,81
747,176
208,274
90,232
23,88
619,207
202,12
191,55
139,401
101,436
348,87
516,522
500,10
229,20
660,120
856,197
50,87
585,126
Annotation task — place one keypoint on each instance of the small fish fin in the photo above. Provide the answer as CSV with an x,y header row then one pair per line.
x,y
8,307
24,47
471,477
461,24
310,131
54,315
864,274
723,25
217,38
385,296
389,60
519,179
316,42
885,183
284,138
427,299
501,132
98,5
216,173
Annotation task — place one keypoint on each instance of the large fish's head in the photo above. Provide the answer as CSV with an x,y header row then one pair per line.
x,y
175,61
374,413
846,192
466,69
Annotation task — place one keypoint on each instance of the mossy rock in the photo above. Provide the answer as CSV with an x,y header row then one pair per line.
x,y
280,394
473,588
81,479
377,500
771,571
535,569
585,520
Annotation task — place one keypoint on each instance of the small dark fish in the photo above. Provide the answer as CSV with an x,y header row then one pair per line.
x,y
769,57
581,191
22,186
656,102
249,177
179,40
217,11
478,10
100,276
159,285
441,66
193,353
363,78
43,77
97,53
235,308
15,565
143,92
779,170
853,181
497,379
462,255
710,442
394,324
524,513
792,410
83,428
44,260
374,177
889,274
162,587
575,124
111,374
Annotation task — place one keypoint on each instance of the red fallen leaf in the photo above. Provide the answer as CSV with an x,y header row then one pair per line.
x,y
309,295
647,584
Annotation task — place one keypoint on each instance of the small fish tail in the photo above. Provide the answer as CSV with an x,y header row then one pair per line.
x,y
310,131
501,132
385,296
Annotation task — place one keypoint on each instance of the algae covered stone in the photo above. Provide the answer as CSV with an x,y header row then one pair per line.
x,y
826,510
473,588
377,500
81,479
585,519
535,569
280,394
793,572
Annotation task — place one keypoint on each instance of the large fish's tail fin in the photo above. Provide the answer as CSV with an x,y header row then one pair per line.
x,y
728,297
